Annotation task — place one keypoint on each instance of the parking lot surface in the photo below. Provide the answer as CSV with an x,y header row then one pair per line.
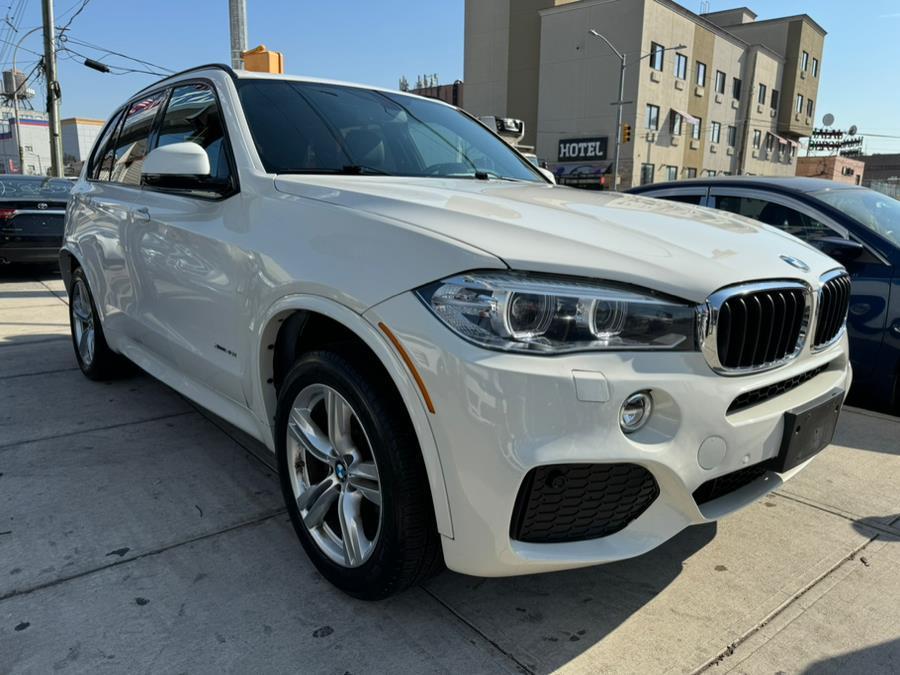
x,y
140,534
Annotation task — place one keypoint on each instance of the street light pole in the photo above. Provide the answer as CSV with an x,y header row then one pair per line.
x,y
16,98
620,103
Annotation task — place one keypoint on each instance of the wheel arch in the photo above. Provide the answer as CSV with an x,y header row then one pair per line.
x,y
283,327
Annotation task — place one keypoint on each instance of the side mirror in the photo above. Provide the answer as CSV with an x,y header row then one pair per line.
x,y
183,166
842,250
548,174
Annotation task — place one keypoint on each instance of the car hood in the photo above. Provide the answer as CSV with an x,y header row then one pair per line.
x,y
683,250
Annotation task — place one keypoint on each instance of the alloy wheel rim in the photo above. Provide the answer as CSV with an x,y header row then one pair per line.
x,y
334,475
83,315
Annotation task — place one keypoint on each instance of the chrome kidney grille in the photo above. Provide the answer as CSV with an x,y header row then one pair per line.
x,y
831,315
756,326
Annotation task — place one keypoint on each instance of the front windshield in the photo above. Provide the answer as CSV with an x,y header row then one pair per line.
x,y
876,211
304,127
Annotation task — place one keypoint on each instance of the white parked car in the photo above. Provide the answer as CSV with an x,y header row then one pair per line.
x,y
451,357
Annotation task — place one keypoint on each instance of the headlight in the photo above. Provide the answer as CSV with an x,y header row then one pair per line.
x,y
535,313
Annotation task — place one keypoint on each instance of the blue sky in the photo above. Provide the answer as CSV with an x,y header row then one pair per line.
x,y
376,41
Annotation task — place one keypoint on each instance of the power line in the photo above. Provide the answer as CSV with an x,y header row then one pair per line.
x,y
84,3
104,50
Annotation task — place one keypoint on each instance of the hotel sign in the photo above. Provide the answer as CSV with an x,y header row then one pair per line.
x,y
582,149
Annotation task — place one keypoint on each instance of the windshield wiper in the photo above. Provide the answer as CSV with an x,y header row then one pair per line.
x,y
360,169
346,170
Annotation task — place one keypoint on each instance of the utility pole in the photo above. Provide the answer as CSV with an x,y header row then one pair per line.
x,y
53,91
237,20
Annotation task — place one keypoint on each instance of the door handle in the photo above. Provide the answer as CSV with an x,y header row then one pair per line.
x,y
142,214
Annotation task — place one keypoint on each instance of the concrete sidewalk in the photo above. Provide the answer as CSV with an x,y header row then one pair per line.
x,y
139,534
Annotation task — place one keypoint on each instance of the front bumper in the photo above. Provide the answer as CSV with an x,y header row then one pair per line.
x,y
498,415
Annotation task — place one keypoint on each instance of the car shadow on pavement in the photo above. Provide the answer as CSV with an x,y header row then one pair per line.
x,y
17,273
881,658
547,620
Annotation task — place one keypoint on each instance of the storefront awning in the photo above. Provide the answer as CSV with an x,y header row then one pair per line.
x,y
785,141
690,119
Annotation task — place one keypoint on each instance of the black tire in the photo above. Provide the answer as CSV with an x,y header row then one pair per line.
x,y
407,549
105,364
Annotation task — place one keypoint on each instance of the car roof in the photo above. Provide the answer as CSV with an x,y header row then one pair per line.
x,y
795,184
253,75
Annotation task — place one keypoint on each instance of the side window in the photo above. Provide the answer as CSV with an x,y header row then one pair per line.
x,y
101,159
193,116
783,217
131,144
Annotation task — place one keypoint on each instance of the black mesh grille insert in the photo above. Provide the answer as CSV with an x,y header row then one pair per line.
x,y
723,485
571,502
834,299
751,398
759,327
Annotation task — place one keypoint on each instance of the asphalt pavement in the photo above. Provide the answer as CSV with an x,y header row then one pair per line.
x,y
140,534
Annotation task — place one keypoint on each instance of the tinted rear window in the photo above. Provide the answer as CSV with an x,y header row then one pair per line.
x,y
24,187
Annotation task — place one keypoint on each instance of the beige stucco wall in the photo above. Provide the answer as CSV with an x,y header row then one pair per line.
x,y
765,68
579,74
486,56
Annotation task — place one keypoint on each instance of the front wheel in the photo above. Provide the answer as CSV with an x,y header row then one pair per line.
x,y
353,478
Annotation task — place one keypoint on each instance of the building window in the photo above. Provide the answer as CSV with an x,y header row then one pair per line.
x,y
690,172
695,131
770,142
815,67
809,107
761,96
774,99
732,136
647,174
720,82
701,74
681,66
657,52
804,61
652,116
710,172
675,124
672,172
716,132
757,136
736,88
799,103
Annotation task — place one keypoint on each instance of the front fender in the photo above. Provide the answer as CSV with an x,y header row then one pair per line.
x,y
262,399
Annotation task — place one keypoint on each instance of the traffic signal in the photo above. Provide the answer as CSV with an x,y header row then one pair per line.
x,y
626,133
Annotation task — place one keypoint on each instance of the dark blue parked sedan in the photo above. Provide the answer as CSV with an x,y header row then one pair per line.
x,y
858,227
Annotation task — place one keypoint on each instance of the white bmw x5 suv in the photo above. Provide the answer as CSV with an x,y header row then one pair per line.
x,y
451,357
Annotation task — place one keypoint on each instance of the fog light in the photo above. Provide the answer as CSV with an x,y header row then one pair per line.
x,y
636,411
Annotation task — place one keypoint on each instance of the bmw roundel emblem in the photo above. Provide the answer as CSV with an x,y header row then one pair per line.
x,y
795,262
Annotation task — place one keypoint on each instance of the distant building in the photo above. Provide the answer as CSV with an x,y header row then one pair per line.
x,y
884,167
736,98
448,93
838,169
35,139
78,136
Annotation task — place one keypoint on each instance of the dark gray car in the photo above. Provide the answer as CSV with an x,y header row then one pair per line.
x,y
32,218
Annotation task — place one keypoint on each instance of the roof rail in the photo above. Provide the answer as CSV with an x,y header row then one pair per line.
x,y
220,66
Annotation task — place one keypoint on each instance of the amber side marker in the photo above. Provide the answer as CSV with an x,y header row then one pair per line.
x,y
409,364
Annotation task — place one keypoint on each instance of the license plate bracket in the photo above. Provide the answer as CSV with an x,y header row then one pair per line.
x,y
808,430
